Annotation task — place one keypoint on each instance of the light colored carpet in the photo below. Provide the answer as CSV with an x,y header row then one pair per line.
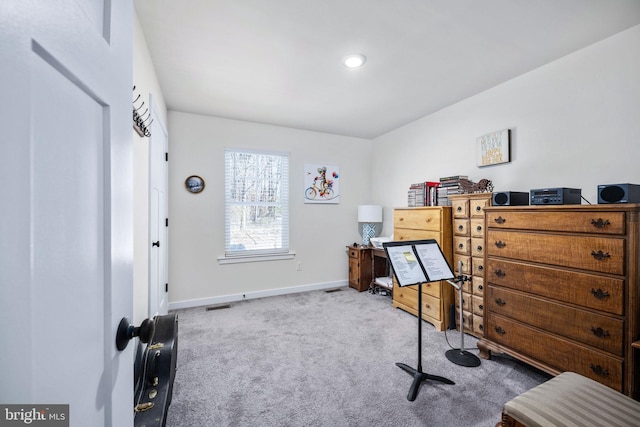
x,y
329,359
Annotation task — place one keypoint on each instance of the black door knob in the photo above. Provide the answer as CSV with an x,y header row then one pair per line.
x,y
156,243
126,331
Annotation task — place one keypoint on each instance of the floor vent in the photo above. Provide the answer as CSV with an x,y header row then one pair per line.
x,y
329,291
218,307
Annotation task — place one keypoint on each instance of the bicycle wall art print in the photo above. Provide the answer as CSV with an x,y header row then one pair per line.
x,y
321,184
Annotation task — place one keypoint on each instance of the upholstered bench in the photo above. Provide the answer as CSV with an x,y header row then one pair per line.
x,y
571,400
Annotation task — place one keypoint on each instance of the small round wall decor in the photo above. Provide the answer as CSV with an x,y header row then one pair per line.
x,y
194,184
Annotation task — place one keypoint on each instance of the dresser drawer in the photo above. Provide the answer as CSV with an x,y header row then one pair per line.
x,y
461,227
477,228
460,208
477,247
579,222
462,245
476,207
581,288
478,285
478,324
418,219
595,330
604,254
478,266
554,351
401,234
478,305
466,264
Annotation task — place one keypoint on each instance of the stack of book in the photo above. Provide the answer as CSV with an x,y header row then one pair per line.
x,y
423,194
449,185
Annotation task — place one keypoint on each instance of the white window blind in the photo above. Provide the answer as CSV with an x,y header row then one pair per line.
x,y
256,203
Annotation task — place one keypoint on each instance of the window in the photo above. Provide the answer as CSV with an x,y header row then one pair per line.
x,y
256,203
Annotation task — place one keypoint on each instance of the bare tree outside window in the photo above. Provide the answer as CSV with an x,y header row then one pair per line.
x,y
256,202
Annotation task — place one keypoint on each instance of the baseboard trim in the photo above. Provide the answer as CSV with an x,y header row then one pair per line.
x,y
255,294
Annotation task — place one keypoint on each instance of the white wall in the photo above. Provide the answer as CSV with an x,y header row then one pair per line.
x,y
575,123
146,82
319,233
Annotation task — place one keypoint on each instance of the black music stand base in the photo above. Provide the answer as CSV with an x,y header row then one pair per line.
x,y
418,377
462,358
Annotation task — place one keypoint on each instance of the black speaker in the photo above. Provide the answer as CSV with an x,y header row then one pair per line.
x,y
618,193
510,198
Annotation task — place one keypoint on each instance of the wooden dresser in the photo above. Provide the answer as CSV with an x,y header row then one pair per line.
x,y
432,222
468,248
562,289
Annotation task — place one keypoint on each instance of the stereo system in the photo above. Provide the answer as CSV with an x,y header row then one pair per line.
x,y
510,198
556,196
618,193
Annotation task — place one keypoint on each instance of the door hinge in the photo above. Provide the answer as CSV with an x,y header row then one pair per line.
x,y
166,222
166,287
166,157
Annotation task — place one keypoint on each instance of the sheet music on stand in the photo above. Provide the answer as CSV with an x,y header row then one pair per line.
x,y
417,261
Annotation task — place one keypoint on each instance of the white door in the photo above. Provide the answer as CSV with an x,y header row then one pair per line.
x,y
66,206
158,217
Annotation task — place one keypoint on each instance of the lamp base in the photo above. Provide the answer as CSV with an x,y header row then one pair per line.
x,y
368,231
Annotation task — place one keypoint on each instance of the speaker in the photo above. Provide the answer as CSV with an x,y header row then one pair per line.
x,y
618,193
510,198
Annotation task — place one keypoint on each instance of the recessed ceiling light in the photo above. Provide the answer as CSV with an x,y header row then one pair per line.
x,y
354,60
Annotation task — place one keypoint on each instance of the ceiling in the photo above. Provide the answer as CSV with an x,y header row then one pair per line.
x,y
279,61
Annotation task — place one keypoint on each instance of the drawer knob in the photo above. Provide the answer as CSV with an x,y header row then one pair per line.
x,y
478,208
500,302
600,294
460,227
500,220
460,246
480,287
600,223
500,273
459,208
479,248
599,370
479,228
480,268
500,244
599,332
600,255
481,307
499,330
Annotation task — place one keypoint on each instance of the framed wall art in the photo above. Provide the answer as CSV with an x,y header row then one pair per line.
x,y
194,184
321,184
493,148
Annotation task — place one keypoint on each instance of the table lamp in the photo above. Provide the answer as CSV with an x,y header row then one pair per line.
x,y
369,215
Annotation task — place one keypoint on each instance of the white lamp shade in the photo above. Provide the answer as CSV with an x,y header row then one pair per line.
x,y
369,213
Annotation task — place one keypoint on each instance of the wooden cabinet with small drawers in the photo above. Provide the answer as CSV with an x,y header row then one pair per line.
x,y
562,290
468,249
430,222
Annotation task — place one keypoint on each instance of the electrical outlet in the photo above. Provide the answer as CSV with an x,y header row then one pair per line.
x,y
299,266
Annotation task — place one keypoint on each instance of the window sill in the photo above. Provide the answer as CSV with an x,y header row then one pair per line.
x,y
256,258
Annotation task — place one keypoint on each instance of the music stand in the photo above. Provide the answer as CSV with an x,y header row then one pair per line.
x,y
461,356
414,263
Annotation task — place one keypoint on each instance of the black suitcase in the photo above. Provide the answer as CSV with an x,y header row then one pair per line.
x,y
154,373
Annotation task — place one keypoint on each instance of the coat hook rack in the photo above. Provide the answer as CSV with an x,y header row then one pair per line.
x,y
140,124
